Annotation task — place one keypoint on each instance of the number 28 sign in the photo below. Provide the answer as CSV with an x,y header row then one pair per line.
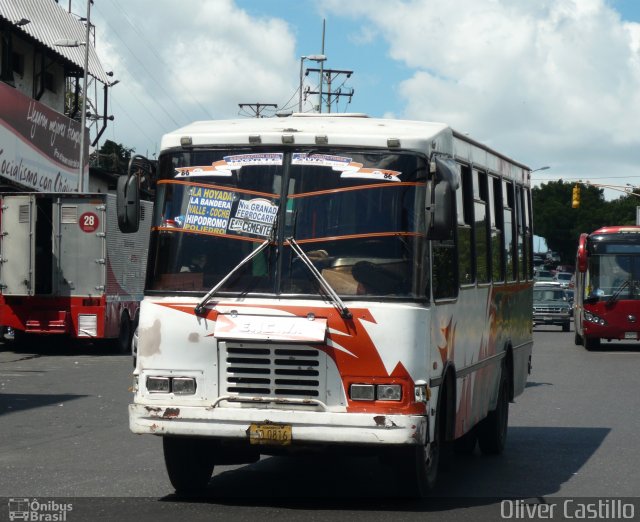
x,y
89,222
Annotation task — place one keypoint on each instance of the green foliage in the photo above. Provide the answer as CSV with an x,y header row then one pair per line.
x,y
114,156
561,225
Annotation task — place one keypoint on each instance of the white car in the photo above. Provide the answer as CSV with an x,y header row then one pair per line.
x,y
564,278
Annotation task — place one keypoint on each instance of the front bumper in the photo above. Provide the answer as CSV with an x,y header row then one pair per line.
x,y
630,333
307,427
549,318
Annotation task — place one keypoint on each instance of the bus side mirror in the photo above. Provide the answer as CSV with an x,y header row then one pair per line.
x,y
128,204
581,257
441,213
128,192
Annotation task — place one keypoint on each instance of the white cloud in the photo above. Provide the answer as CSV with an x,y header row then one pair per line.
x,y
549,82
198,60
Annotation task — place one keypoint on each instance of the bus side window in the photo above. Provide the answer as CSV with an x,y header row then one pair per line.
x,y
528,231
466,246
508,224
445,265
445,277
497,227
481,227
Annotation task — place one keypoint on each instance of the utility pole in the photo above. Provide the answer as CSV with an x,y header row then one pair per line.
x,y
257,108
321,67
331,75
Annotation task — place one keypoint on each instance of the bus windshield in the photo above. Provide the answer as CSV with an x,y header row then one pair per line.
x,y
357,215
616,276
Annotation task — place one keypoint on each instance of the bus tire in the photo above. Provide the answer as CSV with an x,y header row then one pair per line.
x,y
421,468
466,444
189,463
418,466
591,343
492,430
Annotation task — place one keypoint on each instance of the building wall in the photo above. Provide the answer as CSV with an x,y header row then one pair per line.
x,y
25,82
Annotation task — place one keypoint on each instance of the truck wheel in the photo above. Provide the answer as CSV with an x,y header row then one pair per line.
x,y
591,343
189,462
492,430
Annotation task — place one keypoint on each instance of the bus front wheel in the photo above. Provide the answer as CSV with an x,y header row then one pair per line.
x,y
492,430
189,462
418,465
591,343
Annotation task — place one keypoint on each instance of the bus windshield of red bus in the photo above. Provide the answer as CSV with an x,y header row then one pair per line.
x,y
614,276
359,216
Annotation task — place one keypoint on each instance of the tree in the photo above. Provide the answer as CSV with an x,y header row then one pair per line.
x,y
114,156
561,225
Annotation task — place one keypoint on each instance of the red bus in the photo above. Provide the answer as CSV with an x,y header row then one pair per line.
x,y
607,303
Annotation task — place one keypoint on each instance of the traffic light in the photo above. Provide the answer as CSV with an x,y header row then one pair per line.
x,y
575,197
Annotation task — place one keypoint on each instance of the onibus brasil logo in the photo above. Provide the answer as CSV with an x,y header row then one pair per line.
x,y
38,511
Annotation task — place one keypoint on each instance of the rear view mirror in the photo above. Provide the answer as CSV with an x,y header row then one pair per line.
x,y
128,192
441,222
128,204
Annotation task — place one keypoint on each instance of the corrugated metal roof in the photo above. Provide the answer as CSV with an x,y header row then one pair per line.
x,y
49,23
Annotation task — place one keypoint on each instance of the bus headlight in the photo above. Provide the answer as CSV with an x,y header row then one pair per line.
x,y
389,392
362,392
593,318
183,385
158,384
175,385
375,392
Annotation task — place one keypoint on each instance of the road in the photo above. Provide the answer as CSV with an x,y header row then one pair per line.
x,y
64,433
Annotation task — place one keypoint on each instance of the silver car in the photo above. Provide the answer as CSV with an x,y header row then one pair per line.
x,y
551,306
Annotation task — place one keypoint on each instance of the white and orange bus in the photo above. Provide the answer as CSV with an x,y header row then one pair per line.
x,y
607,300
331,280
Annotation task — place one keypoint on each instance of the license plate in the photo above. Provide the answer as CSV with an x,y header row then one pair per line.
x,y
630,335
278,434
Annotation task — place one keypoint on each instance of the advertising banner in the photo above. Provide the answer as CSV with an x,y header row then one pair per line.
x,y
39,147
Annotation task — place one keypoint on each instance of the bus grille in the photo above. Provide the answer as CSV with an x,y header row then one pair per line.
x,y
550,309
273,371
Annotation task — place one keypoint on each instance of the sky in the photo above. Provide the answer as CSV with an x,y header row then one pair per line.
x,y
549,83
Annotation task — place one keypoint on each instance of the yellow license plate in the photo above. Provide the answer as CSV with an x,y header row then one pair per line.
x,y
278,434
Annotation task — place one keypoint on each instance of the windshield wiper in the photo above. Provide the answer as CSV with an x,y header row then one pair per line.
x,y
200,306
614,296
344,311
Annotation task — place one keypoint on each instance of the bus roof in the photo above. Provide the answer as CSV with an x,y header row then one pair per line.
x,y
348,129
356,130
623,229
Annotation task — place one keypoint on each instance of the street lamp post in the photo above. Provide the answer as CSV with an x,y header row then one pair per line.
x,y
83,116
315,58
546,167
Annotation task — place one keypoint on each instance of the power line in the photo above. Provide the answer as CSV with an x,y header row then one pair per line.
x,y
133,121
150,46
150,75
333,95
